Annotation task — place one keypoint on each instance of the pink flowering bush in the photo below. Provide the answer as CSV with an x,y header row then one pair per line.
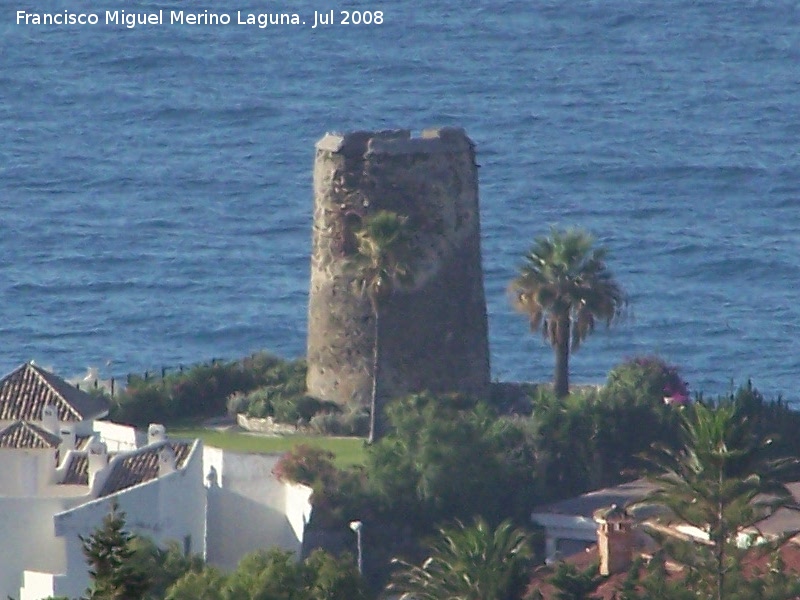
x,y
646,380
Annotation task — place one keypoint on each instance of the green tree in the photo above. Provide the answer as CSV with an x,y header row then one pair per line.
x,y
573,584
382,263
330,578
469,563
652,581
722,481
563,287
275,575
774,582
164,565
588,440
209,584
449,457
645,380
109,552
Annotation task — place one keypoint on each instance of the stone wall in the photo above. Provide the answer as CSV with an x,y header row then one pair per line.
x,y
435,333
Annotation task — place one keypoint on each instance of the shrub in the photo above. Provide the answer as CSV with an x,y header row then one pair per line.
x,y
353,422
237,403
644,380
140,406
258,403
305,464
208,390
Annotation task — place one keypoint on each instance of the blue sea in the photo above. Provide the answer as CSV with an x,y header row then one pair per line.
x,y
155,181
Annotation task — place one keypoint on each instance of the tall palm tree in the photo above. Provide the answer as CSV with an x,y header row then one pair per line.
x,y
468,563
564,287
721,481
382,263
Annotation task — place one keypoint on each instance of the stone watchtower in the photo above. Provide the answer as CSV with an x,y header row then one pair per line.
x,y
435,333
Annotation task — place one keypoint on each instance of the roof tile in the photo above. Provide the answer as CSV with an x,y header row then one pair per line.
x,y
141,466
77,470
28,389
21,434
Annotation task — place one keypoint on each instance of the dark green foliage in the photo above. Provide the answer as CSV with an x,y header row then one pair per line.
x,y
773,419
203,390
652,582
339,496
329,578
353,421
124,566
573,584
282,395
587,441
629,590
563,288
140,405
773,582
209,584
449,457
475,562
723,479
275,575
109,552
305,464
644,380
164,565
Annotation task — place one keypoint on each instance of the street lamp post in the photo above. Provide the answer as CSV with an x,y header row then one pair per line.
x,y
357,526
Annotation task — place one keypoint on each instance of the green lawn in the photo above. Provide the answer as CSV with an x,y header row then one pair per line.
x,y
348,451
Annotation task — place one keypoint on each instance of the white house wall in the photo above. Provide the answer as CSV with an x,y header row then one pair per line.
x,y
249,509
564,529
25,472
119,437
171,507
297,507
245,510
29,542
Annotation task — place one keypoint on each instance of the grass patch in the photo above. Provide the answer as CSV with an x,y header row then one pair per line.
x,y
348,451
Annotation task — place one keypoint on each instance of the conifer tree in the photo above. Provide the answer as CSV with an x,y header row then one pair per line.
x,y
108,552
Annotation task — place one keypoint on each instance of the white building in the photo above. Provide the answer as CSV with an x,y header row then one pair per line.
x,y
61,470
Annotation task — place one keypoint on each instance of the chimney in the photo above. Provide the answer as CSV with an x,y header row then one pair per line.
x,y
50,419
156,433
614,539
98,461
166,460
67,434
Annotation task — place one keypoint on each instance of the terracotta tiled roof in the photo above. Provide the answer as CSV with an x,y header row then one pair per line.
x,y
27,435
754,564
28,389
81,441
77,470
141,466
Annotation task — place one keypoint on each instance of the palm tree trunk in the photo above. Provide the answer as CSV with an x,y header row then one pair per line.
x,y
561,382
376,404
719,550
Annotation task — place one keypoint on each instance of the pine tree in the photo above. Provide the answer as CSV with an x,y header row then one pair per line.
x,y
108,552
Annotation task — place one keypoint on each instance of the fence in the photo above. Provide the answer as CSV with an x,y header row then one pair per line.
x,y
93,381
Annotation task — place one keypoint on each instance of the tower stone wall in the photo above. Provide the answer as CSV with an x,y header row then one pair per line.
x,y
434,332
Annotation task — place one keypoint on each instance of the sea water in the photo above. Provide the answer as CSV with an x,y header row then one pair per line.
x,y
155,179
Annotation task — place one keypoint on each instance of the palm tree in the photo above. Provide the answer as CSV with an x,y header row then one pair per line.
x,y
564,287
574,584
721,480
468,563
381,264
